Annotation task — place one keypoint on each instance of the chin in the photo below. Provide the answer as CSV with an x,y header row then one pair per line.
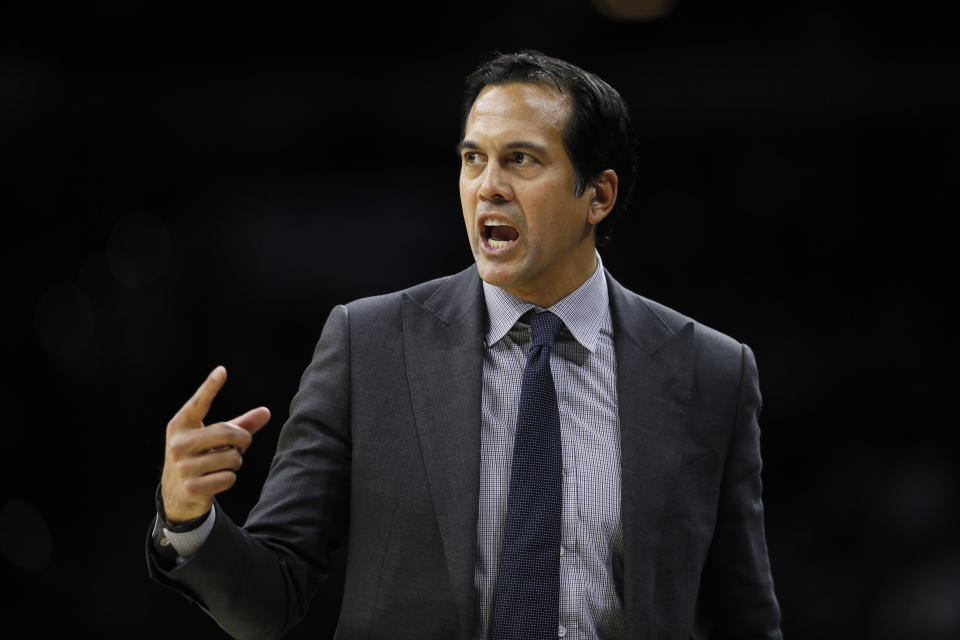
x,y
493,274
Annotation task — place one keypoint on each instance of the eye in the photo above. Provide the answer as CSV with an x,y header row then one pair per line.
x,y
472,158
521,157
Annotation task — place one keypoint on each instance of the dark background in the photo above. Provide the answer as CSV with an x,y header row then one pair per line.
x,y
188,187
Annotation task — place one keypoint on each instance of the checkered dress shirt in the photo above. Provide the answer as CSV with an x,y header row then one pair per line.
x,y
583,365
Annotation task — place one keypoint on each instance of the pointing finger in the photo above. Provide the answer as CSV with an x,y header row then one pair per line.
x,y
192,413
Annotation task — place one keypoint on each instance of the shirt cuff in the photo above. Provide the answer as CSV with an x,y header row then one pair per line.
x,y
187,543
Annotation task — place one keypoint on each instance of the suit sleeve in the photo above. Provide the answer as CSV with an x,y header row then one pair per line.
x,y
737,598
257,581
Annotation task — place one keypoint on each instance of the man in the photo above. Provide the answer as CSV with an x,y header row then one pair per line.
x,y
592,470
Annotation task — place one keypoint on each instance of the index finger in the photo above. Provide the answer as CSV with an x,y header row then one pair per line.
x,y
192,413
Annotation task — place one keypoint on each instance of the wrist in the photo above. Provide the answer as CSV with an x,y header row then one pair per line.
x,y
177,526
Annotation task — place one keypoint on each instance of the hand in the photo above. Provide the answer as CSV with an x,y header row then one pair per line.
x,y
200,461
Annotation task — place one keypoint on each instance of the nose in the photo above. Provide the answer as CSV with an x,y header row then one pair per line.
x,y
495,186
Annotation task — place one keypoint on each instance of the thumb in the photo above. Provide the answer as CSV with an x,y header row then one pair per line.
x,y
252,420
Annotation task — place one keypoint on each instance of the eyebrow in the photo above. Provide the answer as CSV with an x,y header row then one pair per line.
x,y
518,144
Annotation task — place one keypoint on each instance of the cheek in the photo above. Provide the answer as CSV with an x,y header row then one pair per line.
x,y
467,191
465,202
542,222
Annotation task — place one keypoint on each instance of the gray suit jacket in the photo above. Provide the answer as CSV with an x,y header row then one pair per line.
x,y
383,448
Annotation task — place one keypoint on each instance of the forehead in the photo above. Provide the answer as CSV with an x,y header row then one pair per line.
x,y
518,108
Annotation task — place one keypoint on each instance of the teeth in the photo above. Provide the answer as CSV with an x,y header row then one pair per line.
x,y
496,222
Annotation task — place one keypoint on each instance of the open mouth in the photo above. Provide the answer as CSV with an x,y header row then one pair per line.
x,y
498,233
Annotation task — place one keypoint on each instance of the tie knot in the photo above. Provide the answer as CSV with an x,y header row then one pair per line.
x,y
545,327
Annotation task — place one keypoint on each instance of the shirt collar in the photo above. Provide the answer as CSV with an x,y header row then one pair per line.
x,y
582,311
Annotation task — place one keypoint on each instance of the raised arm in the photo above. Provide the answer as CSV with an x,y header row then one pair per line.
x,y
257,581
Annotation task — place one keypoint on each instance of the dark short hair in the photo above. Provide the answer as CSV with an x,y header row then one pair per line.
x,y
598,134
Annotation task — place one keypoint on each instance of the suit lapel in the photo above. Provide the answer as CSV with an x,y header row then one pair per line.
x,y
443,349
654,382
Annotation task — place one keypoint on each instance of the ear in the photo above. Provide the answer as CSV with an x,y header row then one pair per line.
x,y
604,188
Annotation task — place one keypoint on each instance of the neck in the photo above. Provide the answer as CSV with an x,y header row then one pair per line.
x,y
545,295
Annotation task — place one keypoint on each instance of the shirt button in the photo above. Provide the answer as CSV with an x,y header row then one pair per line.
x,y
164,542
561,631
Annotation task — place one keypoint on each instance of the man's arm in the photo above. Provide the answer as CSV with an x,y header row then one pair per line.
x,y
257,582
737,599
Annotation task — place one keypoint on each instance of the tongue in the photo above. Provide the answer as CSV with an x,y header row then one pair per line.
x,y
503,233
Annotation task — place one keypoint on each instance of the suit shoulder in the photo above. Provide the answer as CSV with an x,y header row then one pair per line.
x,y
384,304
717,355
705,336
718,358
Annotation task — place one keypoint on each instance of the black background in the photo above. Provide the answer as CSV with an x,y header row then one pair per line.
x,y
194,186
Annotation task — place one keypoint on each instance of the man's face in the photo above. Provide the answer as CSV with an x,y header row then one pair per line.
x,y
528,231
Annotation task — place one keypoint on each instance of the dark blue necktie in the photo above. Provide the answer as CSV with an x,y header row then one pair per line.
x,y
527,600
